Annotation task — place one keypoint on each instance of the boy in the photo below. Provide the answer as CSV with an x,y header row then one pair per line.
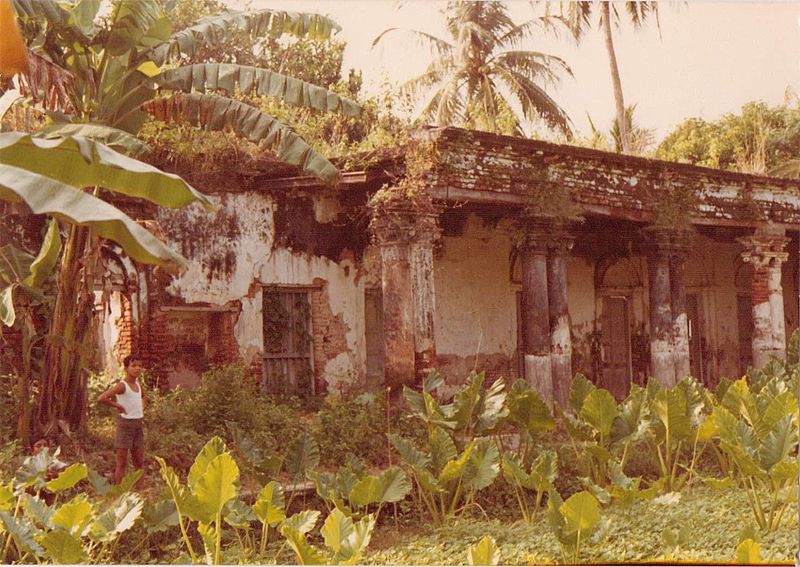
x,y
126,397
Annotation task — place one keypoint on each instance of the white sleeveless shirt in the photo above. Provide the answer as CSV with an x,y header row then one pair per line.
x,y
131,401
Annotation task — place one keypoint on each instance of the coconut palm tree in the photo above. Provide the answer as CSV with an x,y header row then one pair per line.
x,y
578,16
479,73
95,79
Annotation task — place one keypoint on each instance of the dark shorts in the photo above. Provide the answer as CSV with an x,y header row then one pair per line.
x,y
130,434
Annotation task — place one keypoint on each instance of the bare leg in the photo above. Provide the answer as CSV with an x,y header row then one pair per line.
x,y
122,461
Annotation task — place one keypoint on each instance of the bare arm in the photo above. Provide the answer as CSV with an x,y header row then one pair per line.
x,y
109,397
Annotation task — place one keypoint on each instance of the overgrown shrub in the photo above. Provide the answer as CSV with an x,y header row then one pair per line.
x,y
352,425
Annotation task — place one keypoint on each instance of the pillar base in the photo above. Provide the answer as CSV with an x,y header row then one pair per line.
x,y
561,378
538,375
662,363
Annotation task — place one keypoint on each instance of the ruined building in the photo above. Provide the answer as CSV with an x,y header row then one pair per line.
x,y
466,251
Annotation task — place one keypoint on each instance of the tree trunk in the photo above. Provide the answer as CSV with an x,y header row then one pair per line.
x,y
605,22
69,339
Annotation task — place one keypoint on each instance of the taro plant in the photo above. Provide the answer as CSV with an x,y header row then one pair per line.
x,y
347,540
574,522
484,552
759,433
529,416
37,527
354,491
538,479
458,460
600,427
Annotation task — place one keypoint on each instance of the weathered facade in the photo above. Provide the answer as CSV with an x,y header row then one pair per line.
x,y
518,257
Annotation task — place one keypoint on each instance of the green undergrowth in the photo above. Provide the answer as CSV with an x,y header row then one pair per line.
x,y
646,531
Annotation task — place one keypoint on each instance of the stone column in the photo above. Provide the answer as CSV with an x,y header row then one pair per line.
x,y
426,233
680,320
764,250
658,248
535,306
392,232
560,324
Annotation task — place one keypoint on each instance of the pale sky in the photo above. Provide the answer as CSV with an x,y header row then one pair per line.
x,y
710,59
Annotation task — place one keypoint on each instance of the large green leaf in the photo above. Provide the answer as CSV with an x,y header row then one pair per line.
x,y
336,530
37,510
483,466
218,484
34,468
599,410
62,547
395,485
42,266
215,29
15,264
484,552
119,518
137,26
631,423
740,402
81,162
302,456
513,473
68,478
466,400
210,451
544,471
442,448
269,506
455,468
358,541
213,112
48,196
160,516
125,485
114,138
74,516
748,552
578,390
228,77
302,522
408,452
527,411
24,534
306,554
581,512
778,443
669,408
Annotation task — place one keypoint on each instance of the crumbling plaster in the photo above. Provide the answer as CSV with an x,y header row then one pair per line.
x,y
252,263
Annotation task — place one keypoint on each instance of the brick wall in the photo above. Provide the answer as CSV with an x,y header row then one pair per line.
x,y
613,183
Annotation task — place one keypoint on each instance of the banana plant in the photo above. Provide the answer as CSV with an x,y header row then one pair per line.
x,y
347,540
353,490
447,480
539,479
759,433
574,522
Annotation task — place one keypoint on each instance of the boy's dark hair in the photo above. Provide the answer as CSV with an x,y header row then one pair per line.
x,y
130,358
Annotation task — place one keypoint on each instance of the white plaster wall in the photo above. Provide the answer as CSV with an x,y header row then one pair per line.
x,y
475,301
256,264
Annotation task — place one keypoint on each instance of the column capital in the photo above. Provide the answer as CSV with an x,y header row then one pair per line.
x,y
405,224
540,233
765,246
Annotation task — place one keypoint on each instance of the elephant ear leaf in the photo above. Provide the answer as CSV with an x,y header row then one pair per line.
x,y
778,443
748,552
581,512
306,554
160,516
269,506
599,410
483,466
118,518
212,449
484,552
302,522
302,456
23,533
578,390
218,484
336,530
62,547
68,478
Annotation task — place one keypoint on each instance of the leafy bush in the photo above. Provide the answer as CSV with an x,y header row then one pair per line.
x,y
355,425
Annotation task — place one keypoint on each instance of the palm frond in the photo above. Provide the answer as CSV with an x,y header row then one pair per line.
x,y
437,45
577,17
228,76
533,64
213,112
534,100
